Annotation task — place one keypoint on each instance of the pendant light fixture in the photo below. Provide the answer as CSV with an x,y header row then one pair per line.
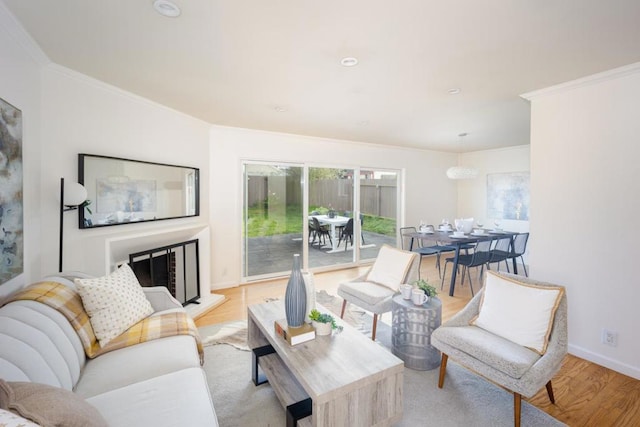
x,y
462,172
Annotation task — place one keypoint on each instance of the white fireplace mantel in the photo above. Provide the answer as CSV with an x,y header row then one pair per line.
x,y
118,247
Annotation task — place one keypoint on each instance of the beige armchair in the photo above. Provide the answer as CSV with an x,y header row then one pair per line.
x,y
521,369
374,290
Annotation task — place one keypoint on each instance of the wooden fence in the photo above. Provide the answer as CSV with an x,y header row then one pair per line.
x,y
378,197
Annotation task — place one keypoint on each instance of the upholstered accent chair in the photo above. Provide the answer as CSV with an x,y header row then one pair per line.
x,y
521,353
374,290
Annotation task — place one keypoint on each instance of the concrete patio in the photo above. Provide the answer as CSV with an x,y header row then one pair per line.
x,y
274,254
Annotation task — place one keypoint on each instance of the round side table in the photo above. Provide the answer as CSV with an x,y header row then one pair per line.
x,y
411,330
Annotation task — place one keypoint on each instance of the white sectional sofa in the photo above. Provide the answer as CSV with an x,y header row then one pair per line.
x,y
155,383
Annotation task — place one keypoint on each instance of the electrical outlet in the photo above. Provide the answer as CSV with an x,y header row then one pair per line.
x,y
609,337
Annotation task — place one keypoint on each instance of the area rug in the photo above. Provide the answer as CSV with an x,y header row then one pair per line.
x,y
466,399
235,333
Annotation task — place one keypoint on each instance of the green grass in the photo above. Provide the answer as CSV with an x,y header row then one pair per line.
x,y
261,222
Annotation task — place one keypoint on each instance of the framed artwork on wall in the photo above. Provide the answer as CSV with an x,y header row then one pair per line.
x,y
508,196
11,218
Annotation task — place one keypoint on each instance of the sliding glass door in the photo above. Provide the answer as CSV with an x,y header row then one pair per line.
x,y
331,224
339,217
272,218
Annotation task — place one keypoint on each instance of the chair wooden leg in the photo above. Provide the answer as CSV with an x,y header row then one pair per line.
x,y
375,325
550,393
517,406
344,305
443,370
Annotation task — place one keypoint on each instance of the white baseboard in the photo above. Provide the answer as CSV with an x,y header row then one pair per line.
x,y
623,368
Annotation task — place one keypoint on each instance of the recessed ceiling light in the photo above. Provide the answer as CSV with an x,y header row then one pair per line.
x,y
349,61
166,8
280,108
454,91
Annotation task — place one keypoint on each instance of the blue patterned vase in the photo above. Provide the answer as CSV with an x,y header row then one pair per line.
x,y
295,298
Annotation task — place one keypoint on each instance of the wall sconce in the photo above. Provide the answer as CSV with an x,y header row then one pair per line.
x,y
72,195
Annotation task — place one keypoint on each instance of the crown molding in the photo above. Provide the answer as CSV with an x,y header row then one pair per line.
x,y
14,28
615,73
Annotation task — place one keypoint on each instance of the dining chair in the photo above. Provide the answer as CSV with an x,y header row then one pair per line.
x,y
478,258
519,248
436,249
501,252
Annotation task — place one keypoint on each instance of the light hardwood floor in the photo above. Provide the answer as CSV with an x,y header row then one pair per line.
x,y
586,394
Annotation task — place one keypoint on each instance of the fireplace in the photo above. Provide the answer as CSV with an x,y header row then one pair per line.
x,y
173,266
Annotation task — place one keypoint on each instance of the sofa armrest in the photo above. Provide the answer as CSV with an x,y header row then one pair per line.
x,y
160,298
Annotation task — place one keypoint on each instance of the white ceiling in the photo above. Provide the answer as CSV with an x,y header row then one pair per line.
x,y
236,62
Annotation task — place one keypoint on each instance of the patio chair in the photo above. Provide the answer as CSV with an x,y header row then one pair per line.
x,y
504,338
320,232
374,290
346,233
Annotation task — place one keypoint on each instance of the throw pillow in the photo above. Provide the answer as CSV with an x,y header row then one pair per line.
x,y
517,311
391,267
48,406
114,303
9,419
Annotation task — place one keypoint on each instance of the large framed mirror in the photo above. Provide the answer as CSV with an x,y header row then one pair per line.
x,y
125,191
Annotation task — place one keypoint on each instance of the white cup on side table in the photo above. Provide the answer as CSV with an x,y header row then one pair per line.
x,y
418,297
405,290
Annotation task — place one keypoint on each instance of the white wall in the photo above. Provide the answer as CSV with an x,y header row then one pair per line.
x,y
430,195
585,187
20,63
83,115
472,193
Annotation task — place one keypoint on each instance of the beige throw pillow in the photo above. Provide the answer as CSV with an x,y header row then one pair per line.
x,y
114,303
519,312
391,267
48,406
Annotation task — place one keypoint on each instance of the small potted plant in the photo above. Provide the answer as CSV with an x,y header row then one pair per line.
x,y
430,291
324,323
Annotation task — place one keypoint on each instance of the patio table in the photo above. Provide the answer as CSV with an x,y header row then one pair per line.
x,y
333,222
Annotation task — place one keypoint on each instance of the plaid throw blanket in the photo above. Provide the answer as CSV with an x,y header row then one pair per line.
x,y
68,302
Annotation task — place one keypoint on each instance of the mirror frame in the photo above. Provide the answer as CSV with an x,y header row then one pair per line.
x,y
86,223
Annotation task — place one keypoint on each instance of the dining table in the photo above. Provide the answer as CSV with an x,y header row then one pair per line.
x,y
447,237
333,222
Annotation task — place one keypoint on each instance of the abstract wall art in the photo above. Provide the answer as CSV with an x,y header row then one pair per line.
x,y
508,196
11,218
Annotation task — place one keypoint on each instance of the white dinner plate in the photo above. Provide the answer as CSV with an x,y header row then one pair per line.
x,y
458,237
425,232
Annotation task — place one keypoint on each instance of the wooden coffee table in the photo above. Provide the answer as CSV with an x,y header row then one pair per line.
x,y
340,380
